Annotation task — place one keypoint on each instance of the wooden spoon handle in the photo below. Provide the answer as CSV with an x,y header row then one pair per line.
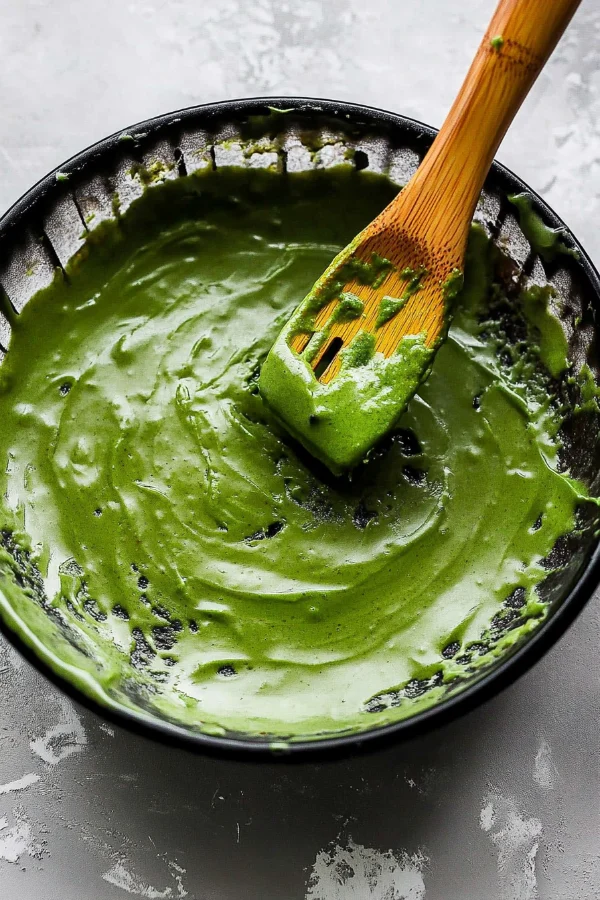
x,y
444,191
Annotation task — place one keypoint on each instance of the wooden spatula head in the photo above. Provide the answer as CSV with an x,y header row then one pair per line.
x,y
389,283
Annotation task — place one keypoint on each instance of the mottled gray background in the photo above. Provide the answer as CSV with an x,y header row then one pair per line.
x,y
502,805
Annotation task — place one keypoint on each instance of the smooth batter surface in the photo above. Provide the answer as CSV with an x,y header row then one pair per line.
x,y
170,513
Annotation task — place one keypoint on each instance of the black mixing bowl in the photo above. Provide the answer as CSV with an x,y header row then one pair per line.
x,y
45,229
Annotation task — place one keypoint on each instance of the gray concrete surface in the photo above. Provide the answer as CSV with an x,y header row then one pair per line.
x,y
502,805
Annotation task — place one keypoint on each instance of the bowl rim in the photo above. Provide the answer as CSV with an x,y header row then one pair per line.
x,y
505,672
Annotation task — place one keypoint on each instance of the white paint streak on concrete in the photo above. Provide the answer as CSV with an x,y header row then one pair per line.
x,y
16,841
120,876
177,872
19,785
107,729
354,872
487,816
63,739
516,838
544,772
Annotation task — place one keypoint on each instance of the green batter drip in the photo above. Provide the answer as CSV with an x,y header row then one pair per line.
x,y
391,306
175,523
544,240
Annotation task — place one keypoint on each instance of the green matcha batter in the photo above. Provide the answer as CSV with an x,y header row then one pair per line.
x,y
205,563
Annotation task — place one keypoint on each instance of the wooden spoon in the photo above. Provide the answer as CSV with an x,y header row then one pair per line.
x,y
413,252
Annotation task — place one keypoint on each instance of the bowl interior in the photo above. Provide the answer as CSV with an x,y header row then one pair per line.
x,y
48,228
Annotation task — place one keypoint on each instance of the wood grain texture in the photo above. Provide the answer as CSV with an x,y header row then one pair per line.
x,y
427,224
